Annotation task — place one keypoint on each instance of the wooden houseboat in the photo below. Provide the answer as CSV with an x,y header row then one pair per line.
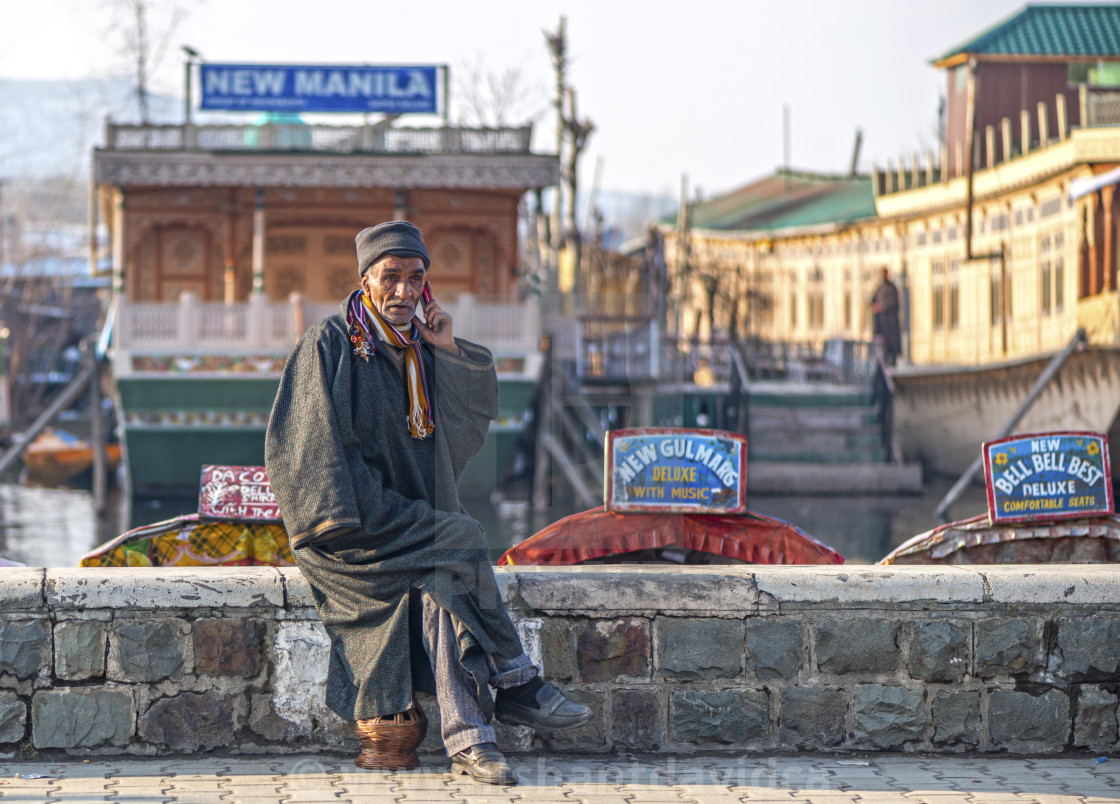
x,y
229,241
999,259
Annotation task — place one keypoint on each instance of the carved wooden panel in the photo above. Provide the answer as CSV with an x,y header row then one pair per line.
x,y
320,263
181,253
341,280
286,279
286,245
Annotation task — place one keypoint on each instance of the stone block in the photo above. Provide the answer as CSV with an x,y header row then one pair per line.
x,y
1095,725
591,737
887,717
859,645
1068,585
557,659
956,717
609,650
165,588
1007,645
227,646
297,592
636,718
1089,645
189,721
506,578
22,588
264,721
612,590
811,717
81,717
869,585
79,650
24,646
775,648
699,648
939,650
13,718
728,716
529,632
301,655
146,650
1019,717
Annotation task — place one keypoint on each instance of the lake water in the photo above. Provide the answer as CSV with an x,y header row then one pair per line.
x,y
55,527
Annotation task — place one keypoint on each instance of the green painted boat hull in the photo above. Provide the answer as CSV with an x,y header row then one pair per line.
x,y
173,426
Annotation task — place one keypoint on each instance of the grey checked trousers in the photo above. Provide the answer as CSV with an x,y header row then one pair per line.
x,y
461,719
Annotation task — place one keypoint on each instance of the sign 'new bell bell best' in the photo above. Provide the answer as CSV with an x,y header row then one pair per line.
x,y
676,471
1063,475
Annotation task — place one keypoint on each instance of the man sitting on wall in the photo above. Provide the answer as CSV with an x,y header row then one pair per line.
x,y
377,414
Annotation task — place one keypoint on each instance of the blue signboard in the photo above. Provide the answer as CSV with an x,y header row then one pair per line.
x,y
1048,476
319,88
675,470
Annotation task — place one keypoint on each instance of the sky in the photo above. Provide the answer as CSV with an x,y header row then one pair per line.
x,y
694,88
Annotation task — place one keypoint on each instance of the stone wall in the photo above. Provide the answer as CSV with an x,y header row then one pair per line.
x,y
754,659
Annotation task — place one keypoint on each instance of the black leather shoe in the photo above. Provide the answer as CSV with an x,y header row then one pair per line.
x,y
554,712
485,763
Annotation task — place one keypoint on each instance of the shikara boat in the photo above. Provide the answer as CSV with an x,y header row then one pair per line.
x,y
1093,540
610,537
189,541
58,458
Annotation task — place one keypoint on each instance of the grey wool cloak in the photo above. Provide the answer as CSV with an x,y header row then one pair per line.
x,y
373,513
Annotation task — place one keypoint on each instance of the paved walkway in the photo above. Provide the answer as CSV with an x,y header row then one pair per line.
x,y
614,779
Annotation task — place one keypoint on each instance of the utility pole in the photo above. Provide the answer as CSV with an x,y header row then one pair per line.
x,y
679,286
578,132
558,50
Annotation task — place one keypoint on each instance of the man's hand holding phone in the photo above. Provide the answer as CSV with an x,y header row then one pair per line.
x,y
438,330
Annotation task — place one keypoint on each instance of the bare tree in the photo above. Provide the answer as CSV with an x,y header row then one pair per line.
x,y
145,28
493,99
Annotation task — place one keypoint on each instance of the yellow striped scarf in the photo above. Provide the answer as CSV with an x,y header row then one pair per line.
x,y
420,421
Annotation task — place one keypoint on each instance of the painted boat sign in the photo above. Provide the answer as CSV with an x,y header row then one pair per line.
x,y
1058,475
237,494
676,470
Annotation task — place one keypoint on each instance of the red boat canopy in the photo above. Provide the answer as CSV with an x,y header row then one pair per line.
x,y
596,534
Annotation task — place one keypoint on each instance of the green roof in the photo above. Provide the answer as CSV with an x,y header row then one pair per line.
x,y
786,200
1082,30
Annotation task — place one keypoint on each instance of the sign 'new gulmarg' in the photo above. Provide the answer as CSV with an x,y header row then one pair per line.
x,y
1048,476
674,470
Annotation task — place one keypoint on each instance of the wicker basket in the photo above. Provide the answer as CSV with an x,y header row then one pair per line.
x,y
389,742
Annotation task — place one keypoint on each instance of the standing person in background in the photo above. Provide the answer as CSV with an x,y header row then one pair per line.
x,y
884,304
378,412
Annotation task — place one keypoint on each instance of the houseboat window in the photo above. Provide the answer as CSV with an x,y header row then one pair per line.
x,y
936,270
954,294
1050,207
960,78
793,302
1059,271
1101,74
848,312
996,295
816,300
1045,262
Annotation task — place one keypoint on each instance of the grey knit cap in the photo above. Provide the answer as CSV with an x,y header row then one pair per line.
x,y
392,237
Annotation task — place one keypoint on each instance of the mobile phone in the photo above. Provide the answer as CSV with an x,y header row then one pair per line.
x,y
427,293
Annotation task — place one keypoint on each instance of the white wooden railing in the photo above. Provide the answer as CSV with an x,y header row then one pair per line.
x,y
336,139
259,327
